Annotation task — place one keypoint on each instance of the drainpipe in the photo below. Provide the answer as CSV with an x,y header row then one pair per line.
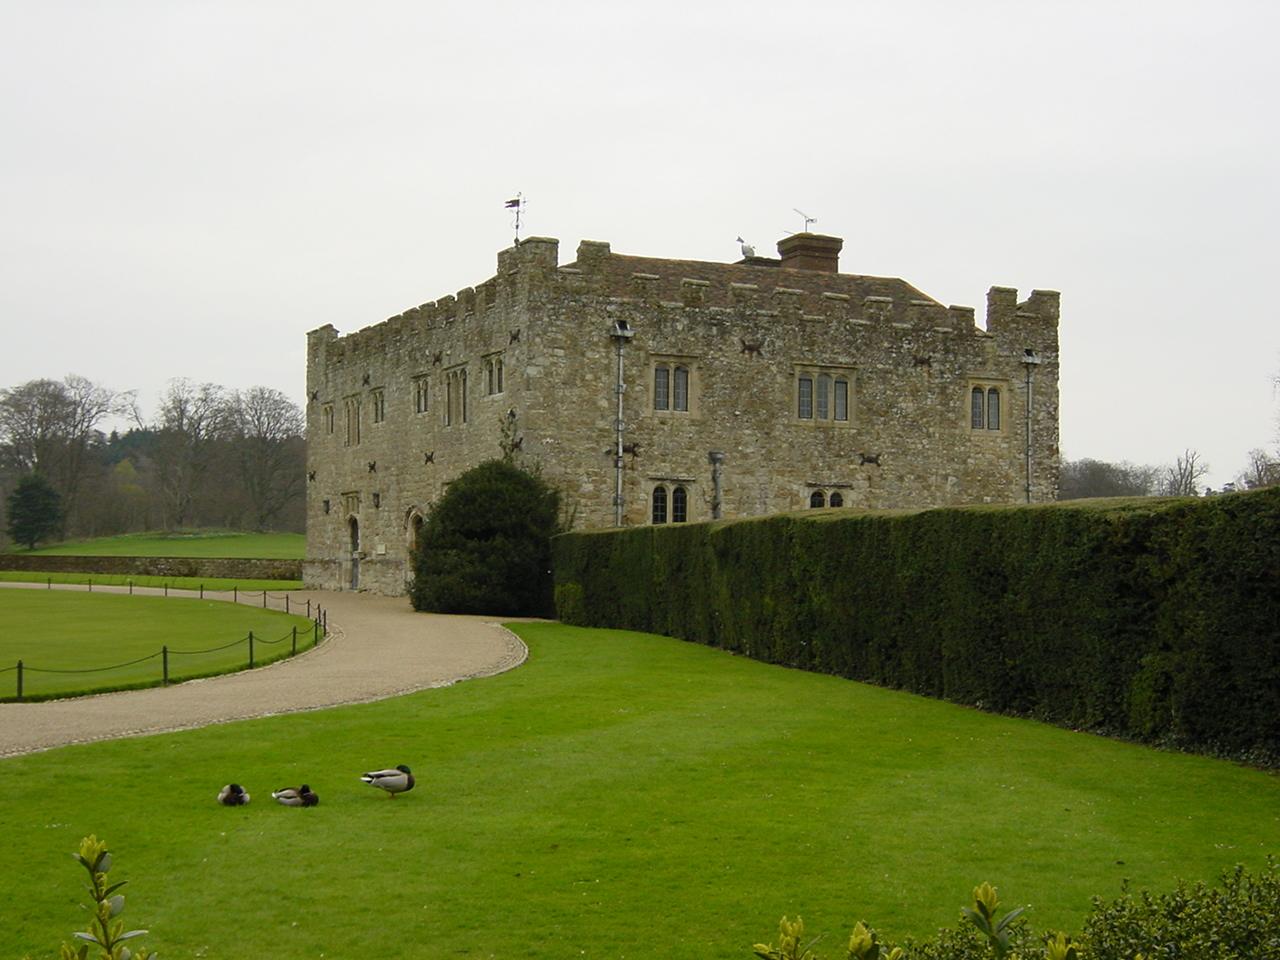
x,y
717,461
1029,360
621,333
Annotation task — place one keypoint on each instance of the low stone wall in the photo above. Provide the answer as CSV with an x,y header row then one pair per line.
x,y
210,567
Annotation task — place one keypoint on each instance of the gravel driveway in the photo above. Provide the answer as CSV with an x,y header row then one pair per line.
x,y
378,647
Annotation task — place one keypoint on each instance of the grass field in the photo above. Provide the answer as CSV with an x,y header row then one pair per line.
x,y
619,796
64,631
190,543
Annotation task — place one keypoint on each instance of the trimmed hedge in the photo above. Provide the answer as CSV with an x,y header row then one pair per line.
x,y
1152,618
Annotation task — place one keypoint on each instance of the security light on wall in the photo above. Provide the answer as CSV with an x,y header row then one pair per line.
x,y
622,330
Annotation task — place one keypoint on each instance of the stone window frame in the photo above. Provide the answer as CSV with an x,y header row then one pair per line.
x,y
455,396
674,384
421,394
351,419
670,500
982,417
495,375
817,398
328,418
378,401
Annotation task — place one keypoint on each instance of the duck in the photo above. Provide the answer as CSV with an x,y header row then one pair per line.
x,y
233,795
393,781
301,797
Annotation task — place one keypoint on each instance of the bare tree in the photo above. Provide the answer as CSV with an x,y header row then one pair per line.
x,y
1261,470
1182,479
192,419
48,427
271,455
1080,479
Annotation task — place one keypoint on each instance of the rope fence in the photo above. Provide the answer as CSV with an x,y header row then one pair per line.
x,y
319,630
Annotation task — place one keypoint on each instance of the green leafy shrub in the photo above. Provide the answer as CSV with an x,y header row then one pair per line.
x,y
486,545
105,931
33,511
1234,922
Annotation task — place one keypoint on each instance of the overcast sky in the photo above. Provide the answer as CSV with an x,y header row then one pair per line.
x,y
186,188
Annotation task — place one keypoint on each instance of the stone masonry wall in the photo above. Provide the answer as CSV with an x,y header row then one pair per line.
x,y
746,333
213,568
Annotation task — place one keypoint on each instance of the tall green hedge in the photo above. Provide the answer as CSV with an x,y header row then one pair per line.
x,y
1153,618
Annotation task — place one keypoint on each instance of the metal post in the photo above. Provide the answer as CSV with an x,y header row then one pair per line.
x,y
308,608
717,461
286,602
165,652
250,649
166,588
202,591
19,679
131,588
235,594
264,599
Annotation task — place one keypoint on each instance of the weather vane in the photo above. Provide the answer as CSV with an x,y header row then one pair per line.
x,y
517,204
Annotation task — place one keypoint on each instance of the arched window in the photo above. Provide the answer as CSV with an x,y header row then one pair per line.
x,y
680,389
662,387
659,504
978,419
837,500
993,409
679,505
804,398
817,499
415,532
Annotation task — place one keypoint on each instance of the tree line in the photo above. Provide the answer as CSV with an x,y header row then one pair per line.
x,y
210,457
1080,479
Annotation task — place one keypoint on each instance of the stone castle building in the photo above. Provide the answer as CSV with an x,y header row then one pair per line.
x,y
666,391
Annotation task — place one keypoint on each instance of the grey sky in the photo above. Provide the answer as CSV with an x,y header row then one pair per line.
x,y
186,188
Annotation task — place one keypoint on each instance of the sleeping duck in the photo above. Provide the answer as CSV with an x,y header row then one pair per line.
x,y
302,797
233,795
393,781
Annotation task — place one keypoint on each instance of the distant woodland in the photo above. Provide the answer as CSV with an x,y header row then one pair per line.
x,y
210,457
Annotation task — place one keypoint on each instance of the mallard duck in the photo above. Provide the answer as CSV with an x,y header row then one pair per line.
x,y
302,797
393,781
233,795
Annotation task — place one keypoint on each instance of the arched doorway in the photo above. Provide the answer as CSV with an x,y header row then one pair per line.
x,y
353,529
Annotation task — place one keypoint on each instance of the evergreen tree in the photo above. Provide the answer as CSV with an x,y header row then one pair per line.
x,y
486,545
33,511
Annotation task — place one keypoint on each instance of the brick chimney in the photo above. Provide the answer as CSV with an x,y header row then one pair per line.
x,y
811,251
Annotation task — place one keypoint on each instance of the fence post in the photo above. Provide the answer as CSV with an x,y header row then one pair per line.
x,y
264,599
250,649
294,652
166,588
235,594
49,582
202,591
308,608
131,588
286,602
165,651
91,584
19,679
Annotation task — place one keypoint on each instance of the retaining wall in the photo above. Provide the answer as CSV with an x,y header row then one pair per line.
x,y
210,567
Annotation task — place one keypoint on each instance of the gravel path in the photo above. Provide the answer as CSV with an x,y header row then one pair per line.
x,y
377,648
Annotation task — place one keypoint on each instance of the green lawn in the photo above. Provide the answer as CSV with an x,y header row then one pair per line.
x,y
619,796
54,630
190,543
174,583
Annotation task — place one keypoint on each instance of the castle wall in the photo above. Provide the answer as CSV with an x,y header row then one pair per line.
x,y
398,409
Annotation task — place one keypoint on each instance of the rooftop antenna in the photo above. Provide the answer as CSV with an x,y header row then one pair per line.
x,y
517,204
807,219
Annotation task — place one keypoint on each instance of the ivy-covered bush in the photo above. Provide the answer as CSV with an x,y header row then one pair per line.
x,y
485,547
1153,618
